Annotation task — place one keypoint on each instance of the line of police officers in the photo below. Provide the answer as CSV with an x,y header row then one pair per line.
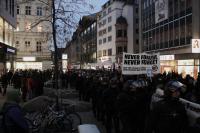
x,y
122,104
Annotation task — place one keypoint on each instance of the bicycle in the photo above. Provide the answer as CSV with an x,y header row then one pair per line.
x,y
50,120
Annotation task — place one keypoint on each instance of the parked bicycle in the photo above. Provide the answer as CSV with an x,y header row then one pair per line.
x,y
51,121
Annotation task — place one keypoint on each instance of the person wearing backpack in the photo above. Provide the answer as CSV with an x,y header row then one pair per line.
x,y
13,120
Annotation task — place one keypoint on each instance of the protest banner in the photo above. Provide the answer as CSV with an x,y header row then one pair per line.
x,y
135,64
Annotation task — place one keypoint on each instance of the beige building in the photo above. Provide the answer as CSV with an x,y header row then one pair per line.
x,y
32,35
7,25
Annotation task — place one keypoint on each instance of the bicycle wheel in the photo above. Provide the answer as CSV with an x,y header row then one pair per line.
x,y
31,126
61,124
75,119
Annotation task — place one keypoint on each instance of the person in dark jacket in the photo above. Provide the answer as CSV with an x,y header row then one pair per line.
x,y
13,119
4,81
169,115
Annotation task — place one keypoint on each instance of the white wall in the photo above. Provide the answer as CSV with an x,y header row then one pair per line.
x,y
116,12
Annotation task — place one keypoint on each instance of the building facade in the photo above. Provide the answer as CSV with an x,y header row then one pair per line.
x,y
172,28
116,31
7,25
73,51
82,49
32,35
88,41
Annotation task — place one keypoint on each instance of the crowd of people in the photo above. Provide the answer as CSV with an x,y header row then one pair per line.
x,y
122,103
29,82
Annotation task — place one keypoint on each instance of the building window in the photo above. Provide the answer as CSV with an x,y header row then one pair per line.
x,y
136,10
109,38
104,21
125,33
119,50
39,11
189,30
6,4
125,48
109,19
18,10
137,41
100,54
109,10
104,53
119,33
100,42
109,52
27,44
104,40
39,47
109,28
100,33
136,20
137,31
13,8
17,44
28,10
104,13
104,31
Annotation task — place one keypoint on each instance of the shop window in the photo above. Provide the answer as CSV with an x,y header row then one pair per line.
x,y
39,47
109,52
28,10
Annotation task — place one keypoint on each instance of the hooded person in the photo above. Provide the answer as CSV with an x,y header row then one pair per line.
x,y
13,120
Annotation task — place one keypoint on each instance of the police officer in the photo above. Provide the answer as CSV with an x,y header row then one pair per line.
x,y
169,115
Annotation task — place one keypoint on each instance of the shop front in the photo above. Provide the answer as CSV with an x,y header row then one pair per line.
x,y
184,64
7,57
168,63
